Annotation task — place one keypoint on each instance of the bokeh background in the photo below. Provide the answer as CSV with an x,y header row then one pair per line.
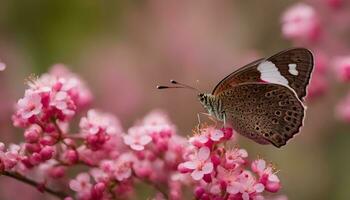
x,y
123,49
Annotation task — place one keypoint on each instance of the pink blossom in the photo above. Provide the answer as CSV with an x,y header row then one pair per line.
x,y
342,68
46,153
269,179
32,134
343,109
98,128
235,158
2,66
30,105
207,136
201,164
81,184
122,170
335,4
96,122
249,186
137,138
230,178
10,157
300,22
61,101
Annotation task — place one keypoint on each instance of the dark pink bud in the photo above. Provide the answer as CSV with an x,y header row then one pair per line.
x,y
26,162
273,186
35,159
47,153
33,147
48,141
32,134
97,191
50,128
228,133
207,178
215,159
57,172
198,192
71,156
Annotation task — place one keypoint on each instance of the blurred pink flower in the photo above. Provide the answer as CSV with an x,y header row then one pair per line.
x,y
30,105
2,66
81,185
300,22
342,68
335,4
343,109
137,138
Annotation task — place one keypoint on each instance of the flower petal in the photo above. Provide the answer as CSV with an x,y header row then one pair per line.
x,y
203,153
208,168
190,164
197,175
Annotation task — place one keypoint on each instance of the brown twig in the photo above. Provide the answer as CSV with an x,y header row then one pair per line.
x,y
19,177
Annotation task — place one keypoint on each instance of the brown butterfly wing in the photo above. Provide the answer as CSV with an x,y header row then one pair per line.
x,y
264,112
300,57
247,73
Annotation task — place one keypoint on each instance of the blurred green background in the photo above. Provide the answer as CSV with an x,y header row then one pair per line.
x,y
123,49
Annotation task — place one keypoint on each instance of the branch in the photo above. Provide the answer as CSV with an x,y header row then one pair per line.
x,y
33,183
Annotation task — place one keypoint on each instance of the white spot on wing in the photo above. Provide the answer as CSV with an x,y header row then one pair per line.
x,y
292,69
270,73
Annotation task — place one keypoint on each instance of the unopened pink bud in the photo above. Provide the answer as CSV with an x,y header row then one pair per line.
x,y
32,134
57,172
273,186
71,156
47,153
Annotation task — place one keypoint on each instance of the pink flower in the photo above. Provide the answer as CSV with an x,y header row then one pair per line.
x,y
201,164
81,184
122,170
230,178
269,179
335,4
235,158
249,187
61,101
10,157
96,122
98,128
137,138
30,105
300,22
206,137
32,134
2,66
343,109
342,67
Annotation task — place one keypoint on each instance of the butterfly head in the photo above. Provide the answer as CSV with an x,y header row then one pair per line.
x,y
203,98
212,104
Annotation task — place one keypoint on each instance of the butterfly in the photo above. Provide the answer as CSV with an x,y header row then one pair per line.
x,y
263,100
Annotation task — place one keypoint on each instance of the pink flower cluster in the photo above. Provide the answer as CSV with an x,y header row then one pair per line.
x,y
149,152
114,160
225,174
319,26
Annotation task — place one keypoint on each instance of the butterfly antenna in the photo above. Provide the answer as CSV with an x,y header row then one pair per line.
x,y
167,87
183,85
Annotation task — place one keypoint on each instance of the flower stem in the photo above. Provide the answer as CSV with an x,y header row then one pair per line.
x,y
43,188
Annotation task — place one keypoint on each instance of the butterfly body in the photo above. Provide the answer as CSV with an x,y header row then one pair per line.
x,y
263,100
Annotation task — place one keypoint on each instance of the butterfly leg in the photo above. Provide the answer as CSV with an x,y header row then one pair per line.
x,y
224,120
